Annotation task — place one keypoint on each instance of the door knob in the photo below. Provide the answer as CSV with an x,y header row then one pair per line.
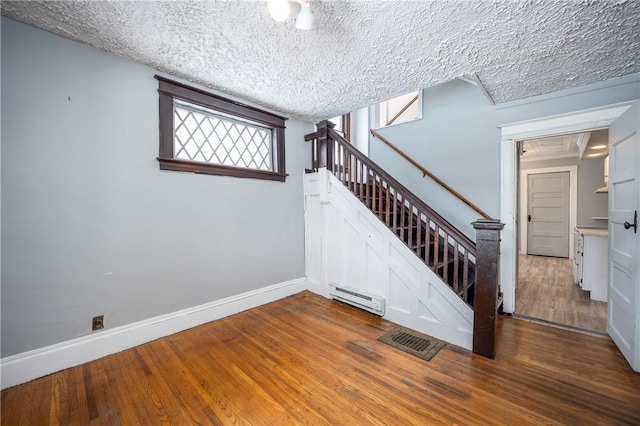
x,y
628,225
529,218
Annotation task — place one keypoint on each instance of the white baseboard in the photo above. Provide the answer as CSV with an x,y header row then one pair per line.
x,y
318,288
26,366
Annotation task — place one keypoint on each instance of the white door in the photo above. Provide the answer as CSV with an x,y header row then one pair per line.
x,y
548,214
624,238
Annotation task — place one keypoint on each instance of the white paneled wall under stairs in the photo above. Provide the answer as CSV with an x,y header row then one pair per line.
x,y
347,245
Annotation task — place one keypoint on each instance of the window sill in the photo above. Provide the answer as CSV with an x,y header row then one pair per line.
x,y
214,169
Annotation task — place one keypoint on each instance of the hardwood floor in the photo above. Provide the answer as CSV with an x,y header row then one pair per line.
x,y
309,360
546,290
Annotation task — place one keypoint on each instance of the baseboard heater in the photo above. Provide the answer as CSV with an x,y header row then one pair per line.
x,y
367,302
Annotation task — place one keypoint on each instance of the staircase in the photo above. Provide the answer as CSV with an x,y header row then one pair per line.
x,y
450,260
447,252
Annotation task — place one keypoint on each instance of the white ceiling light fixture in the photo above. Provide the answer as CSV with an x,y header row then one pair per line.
x,y
280,9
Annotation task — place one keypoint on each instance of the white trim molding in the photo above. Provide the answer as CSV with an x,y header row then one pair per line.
x,y
548,157
511,134
583,121
573,202
607,84
31,365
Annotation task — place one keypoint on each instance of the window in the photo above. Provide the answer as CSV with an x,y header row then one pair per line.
x,y
343,125
398,110
204,133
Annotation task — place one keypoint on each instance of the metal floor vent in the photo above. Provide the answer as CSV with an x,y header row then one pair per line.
x,y
414,343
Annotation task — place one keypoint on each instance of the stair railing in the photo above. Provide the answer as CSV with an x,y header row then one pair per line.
x,y
443,248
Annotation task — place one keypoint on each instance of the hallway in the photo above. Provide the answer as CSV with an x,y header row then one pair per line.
x,y
546,291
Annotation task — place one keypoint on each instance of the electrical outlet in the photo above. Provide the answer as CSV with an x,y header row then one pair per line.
x,y
98,322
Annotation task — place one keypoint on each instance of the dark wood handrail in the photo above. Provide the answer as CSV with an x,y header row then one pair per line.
x,y
310,136
426,172
463,240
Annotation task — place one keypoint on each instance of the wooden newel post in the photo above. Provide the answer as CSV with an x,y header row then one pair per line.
x,y
325,145
485,305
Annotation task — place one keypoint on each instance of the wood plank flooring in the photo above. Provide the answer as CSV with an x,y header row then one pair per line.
x,y
309,360
546,290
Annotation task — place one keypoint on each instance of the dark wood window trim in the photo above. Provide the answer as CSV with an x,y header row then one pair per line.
x,y
169,90
346,126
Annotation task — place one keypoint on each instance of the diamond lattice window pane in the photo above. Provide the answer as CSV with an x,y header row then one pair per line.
x,y
206,137
234,155
227,143
206,128
207,151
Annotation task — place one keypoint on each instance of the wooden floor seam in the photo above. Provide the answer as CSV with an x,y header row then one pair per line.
x,y
561,326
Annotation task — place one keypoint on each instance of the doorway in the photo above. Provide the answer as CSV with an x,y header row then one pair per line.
x,y
624,117
547,289
511,134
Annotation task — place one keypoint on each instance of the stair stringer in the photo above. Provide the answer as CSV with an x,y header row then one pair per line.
x,y
346,244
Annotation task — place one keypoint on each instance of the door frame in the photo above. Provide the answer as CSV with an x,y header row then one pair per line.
x,y
511,134
573,202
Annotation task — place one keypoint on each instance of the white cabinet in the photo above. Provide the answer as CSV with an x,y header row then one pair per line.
x,y
591,262
577,257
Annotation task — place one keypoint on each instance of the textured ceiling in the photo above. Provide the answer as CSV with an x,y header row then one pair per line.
x,y
361,52
556,146
567,146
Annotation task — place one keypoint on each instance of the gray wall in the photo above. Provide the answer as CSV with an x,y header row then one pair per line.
x,y
590,178
90,225
590,204
458,139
